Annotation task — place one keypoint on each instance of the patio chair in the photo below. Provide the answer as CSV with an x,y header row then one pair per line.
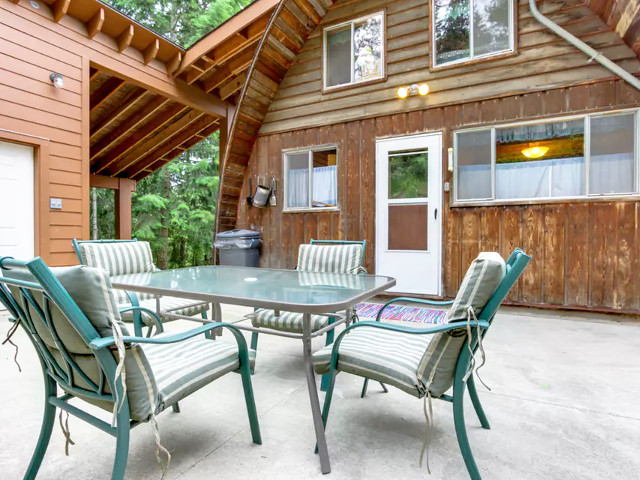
x,y
426,362
120,257
319,256
70,316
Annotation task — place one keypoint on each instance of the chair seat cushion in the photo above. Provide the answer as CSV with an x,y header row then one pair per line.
x,y
389,357
182,368
287,321
175,305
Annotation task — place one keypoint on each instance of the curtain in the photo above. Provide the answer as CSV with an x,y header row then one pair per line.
x,y
611,173
298,188
559,177
325,192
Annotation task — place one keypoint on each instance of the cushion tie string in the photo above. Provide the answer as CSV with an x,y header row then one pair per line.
x,y
471,314
159,448
120,372
10,333
66,432
427,407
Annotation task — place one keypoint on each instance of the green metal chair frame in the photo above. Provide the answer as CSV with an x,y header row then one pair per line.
x,y
61,373
138,324
331,333
516,263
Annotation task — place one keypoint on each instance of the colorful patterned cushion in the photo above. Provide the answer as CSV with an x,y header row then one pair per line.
x,y
330,258
389,357
182,368
287,321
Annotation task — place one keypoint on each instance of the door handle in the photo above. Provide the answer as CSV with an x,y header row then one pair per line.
x,y
435,214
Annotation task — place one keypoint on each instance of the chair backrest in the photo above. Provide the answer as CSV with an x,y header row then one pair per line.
x,y
63,310
332,256
117,257
486,284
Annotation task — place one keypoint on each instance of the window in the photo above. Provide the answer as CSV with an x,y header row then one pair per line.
x,y
354,51
311,179
464,30
566,158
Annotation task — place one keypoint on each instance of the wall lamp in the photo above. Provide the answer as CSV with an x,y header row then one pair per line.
x,y
57,80
415,89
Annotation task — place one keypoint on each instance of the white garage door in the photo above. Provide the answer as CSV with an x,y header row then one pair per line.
x,y
17,216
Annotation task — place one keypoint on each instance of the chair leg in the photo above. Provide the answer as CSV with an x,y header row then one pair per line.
x,y
122,443
473,393
326,378
176,407
48,419
366,384
249,399
210,335
461,430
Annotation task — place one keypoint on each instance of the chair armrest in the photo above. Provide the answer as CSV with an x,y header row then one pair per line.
x,y
423,301
137,319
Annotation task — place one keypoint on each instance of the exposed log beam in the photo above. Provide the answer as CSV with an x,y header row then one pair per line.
x,y
117,110
124,39
104,92
174,63
132,122
102,181
236,23
60,8
151,51
143,148
94,25
178,139
233,86
228,70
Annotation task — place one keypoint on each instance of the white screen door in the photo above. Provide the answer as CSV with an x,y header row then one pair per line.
x,y
409,212
17,224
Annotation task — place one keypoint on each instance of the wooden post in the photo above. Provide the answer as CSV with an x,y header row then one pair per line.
x,y
123,207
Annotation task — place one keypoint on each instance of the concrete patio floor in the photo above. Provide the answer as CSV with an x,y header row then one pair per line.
x,y
563,405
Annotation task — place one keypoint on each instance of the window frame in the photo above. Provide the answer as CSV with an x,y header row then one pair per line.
x,y
309,150
587,196
513,40
352,83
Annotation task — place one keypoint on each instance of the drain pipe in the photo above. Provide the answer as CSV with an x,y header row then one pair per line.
x,y
579,44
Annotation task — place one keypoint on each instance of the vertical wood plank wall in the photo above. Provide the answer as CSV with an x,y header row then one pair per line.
x,y
585,253
30,105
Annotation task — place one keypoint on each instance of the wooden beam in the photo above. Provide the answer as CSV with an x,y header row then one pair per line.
x,y
233,86
124,39
60,8
94,25
151,51
178,138
123,207
151,143
228,70
119,109
173,63
102,181
131,123
15,1
105,91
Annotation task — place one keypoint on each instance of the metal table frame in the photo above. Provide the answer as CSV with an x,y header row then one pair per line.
x,y
306,309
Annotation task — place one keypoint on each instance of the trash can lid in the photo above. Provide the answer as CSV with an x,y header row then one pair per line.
x,y
239,234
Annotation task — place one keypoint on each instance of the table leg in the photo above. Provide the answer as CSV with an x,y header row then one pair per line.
x,y
313,395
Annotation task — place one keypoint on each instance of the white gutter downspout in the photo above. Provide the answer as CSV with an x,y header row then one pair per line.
x,y
593,54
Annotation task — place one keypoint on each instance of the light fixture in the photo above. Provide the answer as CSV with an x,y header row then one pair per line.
x,y
34,4
415,89
57,80
535,152
450,159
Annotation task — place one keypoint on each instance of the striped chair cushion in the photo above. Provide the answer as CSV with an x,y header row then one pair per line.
x,y
182,368
388,357
287,321
175,305
330,258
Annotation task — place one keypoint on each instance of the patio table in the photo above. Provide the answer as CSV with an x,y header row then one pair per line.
x,y
280,290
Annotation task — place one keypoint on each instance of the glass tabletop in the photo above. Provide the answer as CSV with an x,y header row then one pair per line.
x,y
287,290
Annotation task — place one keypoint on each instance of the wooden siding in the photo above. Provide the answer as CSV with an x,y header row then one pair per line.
x,y
543,61
585,253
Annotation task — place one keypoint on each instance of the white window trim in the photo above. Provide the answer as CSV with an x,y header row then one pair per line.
x,y
310,150
325,76
541,200
472,57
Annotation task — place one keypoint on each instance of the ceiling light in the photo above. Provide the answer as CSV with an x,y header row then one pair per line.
x,y
403,92
34,4
57,80
415,89
423,89
535,152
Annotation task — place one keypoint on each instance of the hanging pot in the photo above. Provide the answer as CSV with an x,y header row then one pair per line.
x,y
261,197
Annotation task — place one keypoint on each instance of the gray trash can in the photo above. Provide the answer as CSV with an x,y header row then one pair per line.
x,y
239,248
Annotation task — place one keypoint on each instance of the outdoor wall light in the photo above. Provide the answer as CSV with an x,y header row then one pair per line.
x,y
57,80
415,89
535,152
